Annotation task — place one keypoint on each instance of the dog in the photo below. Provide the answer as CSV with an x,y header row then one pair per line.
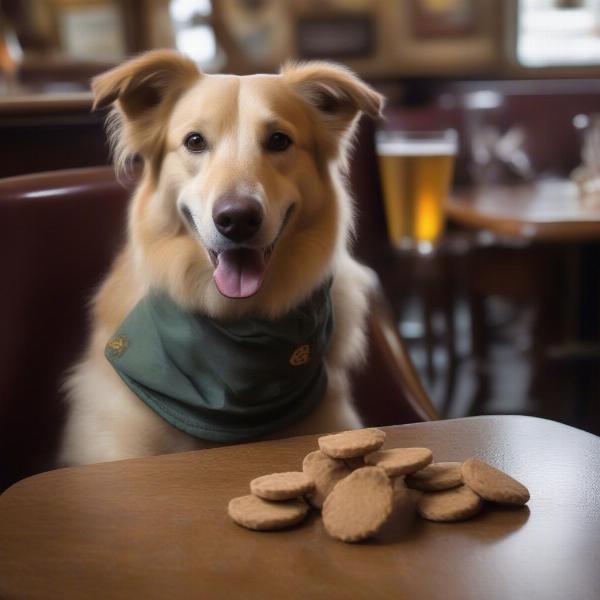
x,y
241,223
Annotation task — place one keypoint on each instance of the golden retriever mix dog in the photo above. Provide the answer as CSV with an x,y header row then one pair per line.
x,y
235,309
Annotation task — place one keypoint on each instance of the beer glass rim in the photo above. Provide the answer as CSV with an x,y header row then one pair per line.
x,y
446,135
445,139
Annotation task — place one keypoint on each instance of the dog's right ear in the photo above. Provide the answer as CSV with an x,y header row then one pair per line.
x,y
337,97
334,91
143,91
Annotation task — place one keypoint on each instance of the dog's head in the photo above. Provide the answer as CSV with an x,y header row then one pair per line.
x,y
241,173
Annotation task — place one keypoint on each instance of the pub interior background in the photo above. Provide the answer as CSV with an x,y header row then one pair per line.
x,y
496,321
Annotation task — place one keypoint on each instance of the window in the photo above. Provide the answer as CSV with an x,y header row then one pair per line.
x,y
194,35
552,33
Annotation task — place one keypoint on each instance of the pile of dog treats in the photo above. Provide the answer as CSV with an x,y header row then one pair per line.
x,y
351,480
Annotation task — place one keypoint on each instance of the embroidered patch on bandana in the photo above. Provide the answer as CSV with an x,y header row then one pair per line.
x,y
117,346
300,356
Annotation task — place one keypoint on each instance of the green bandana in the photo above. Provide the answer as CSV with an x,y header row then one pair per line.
x,y
224,381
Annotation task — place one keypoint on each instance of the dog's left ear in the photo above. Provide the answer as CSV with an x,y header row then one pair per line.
x,y
334,91
142,91
143,82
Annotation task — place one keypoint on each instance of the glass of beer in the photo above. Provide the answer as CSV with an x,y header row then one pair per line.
x,y
416,171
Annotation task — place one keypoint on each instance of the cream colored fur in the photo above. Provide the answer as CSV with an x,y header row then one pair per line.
x,y
158,98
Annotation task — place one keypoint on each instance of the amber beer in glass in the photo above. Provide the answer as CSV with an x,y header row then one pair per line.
x,y
416,171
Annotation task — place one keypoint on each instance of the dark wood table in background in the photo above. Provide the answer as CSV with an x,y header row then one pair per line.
x,y
564,242
547,211
157,527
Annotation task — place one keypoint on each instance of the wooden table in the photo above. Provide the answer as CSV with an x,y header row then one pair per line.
x,y
547,211
157,527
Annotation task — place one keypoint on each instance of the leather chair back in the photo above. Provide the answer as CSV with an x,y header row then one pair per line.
x,y
58,234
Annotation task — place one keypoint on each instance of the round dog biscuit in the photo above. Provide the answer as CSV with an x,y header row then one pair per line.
x,y
436,477
359,505
456,504
325,472
400,461
492,484
254,513
282,486
349,444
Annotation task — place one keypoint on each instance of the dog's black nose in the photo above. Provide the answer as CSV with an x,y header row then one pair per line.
x,y
237,217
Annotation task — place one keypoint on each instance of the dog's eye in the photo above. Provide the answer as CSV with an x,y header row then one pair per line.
x,y
278,142
195,142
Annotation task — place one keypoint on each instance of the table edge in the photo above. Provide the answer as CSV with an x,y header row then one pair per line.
x,y
438,423
458,211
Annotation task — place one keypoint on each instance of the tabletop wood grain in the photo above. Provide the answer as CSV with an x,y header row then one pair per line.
x,y
157,527
543,211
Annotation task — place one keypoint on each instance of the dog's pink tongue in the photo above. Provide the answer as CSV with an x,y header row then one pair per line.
x,y
240,272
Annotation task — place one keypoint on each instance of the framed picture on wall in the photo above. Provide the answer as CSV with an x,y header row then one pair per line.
x,y
339,37
443,18
90,29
